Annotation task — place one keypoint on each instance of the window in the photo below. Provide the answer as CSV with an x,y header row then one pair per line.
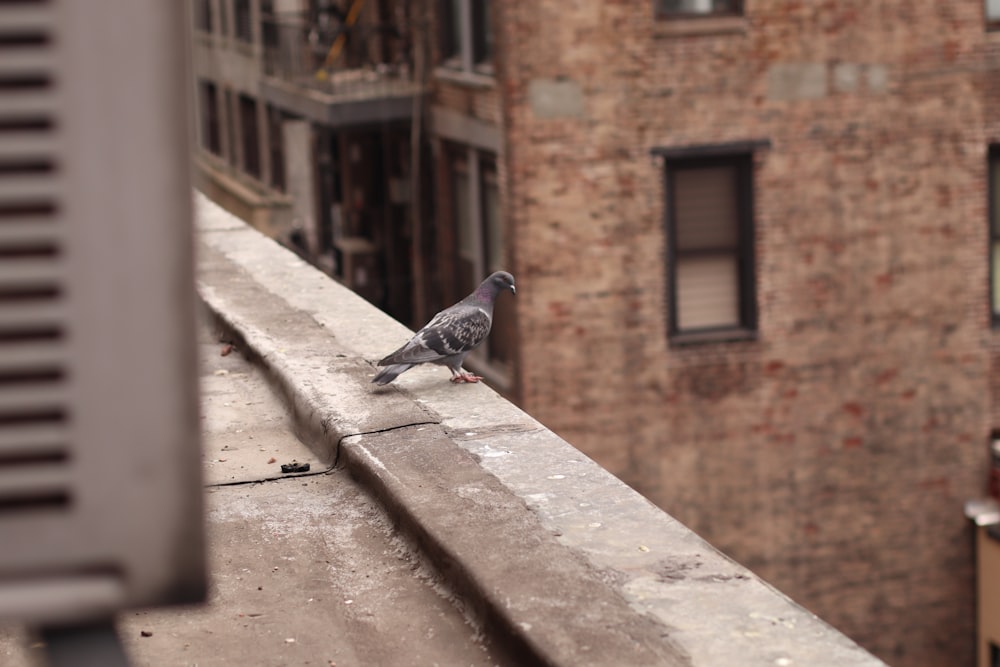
x,y
994,215
208,106
479,244
276,146
993,13
230,105
203,15
710,239
467,251
223,18
685,8
242,27
248,127
467,36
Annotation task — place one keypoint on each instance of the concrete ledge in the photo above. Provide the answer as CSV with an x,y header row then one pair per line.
x,y
541,602
563,563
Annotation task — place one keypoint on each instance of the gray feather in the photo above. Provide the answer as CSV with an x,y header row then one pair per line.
x,y
451,334
390,373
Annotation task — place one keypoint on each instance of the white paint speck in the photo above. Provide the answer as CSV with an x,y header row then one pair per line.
x,y
783,662
489,452
556,477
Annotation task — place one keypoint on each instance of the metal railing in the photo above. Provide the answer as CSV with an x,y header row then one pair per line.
x,y
333,59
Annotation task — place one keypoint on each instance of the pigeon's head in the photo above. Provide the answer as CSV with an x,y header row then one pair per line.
x,y
503,280
495,284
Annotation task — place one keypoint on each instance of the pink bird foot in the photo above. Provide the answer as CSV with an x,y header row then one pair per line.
x,y
466,377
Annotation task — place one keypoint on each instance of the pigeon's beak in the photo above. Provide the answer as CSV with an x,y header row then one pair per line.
x,y
513,290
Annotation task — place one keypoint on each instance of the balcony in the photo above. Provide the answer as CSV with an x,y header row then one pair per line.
x,y
336,77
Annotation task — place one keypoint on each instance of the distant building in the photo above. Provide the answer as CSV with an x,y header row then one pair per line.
x,y
756,246
305,112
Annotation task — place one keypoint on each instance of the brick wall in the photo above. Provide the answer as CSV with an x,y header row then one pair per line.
x,y
833,454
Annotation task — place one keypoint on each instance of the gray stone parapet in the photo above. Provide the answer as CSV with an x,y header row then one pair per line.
x,y
561,562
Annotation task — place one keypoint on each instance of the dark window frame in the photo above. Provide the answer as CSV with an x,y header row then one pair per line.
x,y
249,134
993,228
276,147
203,15
243,21
482,34
449,35
468,47
741,157
211,130
464,222
229,102
225,29
661,12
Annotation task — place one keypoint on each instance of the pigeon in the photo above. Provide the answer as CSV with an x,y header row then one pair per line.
x,y
451,334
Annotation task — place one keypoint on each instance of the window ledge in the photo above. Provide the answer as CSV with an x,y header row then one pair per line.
x,y
249,188
716,336
244,47
700,25
465,77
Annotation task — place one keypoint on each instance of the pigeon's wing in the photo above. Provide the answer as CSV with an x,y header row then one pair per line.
x,y
457,330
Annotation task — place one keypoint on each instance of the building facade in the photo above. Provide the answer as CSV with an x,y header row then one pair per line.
x,y
753,241
757,282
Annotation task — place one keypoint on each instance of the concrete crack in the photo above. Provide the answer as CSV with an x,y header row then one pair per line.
x,y
243,482
336,457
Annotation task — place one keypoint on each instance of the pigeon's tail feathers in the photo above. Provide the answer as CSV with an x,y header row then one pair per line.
x,y
390,373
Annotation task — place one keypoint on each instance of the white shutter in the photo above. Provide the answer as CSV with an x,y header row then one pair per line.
x,y
707,292
100,494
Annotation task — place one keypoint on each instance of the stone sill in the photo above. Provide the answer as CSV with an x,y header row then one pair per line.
x,y
720,336
471,79
558,559
242,185
694,26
